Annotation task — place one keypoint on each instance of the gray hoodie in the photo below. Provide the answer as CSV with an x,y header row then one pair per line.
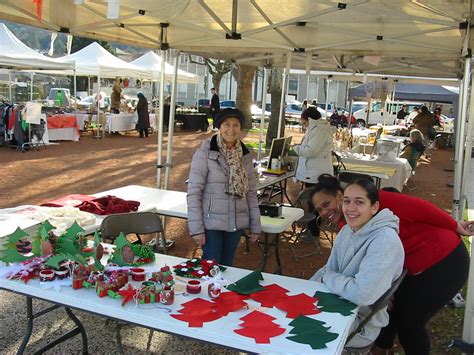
x,y
362,267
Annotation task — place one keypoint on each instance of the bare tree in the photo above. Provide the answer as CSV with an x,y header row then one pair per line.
x,y
245,77
217,68
275,84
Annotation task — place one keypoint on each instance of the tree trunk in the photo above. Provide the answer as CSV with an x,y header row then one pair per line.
x,y
275,84
216,80
244,92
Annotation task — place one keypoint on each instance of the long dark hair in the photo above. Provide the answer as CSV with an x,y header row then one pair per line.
x,y
369,187
327,184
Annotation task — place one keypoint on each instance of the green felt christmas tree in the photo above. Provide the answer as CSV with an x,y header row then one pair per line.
x,y
10,253
311,331
122,244
329,302
248,284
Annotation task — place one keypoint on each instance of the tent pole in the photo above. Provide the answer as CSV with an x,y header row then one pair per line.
x,y
88,85
159,128
467,156
308,77
10,86
31,83
75,93
262,117
283,93
459,143
468,334
328,82
98,108
174,85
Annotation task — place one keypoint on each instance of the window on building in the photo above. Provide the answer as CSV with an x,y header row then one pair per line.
x,y
183,58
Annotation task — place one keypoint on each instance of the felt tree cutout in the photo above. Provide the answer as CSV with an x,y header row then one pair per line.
x,y
44,230
36,246
329,302
297,305
99,252
121,255
10,253
248,284
74,230
229,302
312,332
196,312
270,296
259,326
55,260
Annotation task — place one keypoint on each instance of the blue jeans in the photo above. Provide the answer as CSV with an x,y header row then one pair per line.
x,y
221,246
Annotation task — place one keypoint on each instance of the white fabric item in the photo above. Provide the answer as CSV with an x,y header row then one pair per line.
x,y
33,112
54,35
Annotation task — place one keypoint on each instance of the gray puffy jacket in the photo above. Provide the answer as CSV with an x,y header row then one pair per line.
x,y
209,206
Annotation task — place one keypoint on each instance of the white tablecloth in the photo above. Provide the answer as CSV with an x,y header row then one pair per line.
x,y
402,173
63,134
121,122
81,117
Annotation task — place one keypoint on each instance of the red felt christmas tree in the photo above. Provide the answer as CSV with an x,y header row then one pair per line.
x,y
197,312
259,326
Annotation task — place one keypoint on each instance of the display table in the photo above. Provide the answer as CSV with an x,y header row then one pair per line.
x,y
82,117
63,127
220,331
167,203
397,180
121,122
193,121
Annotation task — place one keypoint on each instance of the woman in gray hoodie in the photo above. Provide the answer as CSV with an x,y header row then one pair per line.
x,y
222,192
366,259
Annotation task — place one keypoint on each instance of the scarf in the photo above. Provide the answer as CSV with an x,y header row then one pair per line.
x,y
238,180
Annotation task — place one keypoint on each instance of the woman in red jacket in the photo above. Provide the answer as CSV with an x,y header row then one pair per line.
x,y
435,257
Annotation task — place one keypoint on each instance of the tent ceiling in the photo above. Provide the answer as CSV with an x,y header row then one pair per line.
x,y
418,37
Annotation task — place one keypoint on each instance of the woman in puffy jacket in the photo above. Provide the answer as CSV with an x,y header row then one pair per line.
x,y
222,191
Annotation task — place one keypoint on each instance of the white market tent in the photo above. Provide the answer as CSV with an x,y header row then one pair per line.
x,y
94,60
15,54
423,38
152,62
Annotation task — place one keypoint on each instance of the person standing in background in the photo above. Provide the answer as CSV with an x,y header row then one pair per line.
x,y
314,155
143,123
115,96
222,191
215,108
402,114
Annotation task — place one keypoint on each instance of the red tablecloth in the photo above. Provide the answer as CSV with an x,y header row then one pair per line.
x,y
62,121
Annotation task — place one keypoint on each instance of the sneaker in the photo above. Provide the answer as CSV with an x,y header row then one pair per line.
x,y
215,129
198,131
458,301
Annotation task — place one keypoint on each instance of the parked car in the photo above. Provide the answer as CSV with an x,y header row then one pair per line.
x,y
203,103
87,102
227,104
383,115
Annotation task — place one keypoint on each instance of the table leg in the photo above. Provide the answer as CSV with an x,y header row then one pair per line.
x,y
285,182
276,241
29,327
265,252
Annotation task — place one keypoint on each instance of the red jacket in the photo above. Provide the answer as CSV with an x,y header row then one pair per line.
x,y
428,233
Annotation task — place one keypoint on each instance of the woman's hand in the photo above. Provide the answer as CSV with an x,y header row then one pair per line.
x,y
465,227
254,237
200,239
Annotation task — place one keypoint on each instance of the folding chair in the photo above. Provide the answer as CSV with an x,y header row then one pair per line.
x,y
299,227
380,304
134,223
337,164
328,230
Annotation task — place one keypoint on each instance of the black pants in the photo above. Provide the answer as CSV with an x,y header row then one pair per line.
x,y
313,225
419,297
143,132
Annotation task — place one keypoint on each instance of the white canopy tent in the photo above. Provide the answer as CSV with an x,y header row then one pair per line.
x,y
152,62
94,60
15,54
424,38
